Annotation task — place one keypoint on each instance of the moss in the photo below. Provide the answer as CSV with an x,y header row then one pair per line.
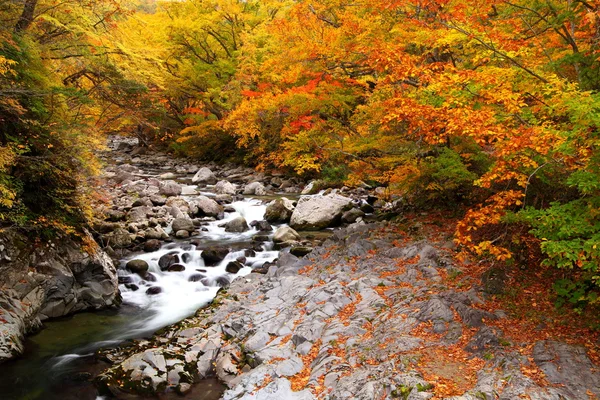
x,y
402,392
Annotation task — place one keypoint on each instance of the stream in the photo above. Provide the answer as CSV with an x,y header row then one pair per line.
x,y
59,360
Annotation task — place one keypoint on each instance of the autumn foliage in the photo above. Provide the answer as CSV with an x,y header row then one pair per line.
x,y
487,106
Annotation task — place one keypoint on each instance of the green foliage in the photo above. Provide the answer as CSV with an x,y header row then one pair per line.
x,y
442,178
570,239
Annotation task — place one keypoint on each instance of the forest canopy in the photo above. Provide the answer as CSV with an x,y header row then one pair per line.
x,y
487,107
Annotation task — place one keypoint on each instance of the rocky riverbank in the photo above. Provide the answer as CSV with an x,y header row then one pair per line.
x,y
369,313
366,315
48,280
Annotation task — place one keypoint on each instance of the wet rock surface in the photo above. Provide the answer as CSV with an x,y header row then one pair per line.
x,y
51,280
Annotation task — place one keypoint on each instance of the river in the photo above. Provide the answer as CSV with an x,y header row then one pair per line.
x,y
59,361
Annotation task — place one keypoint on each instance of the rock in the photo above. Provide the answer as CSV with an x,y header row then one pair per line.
x,y
285,234
352,215
225,187
105,227
568,366
318,212
183,224
152,245
261,226
167,175
124,146
123,176
494,280
255,188
182,234
155,233
205,175
367,208
167,260
139,214
233,267
214,256
260,238
158,200
279,210
203,206
115,215
149,277
300,251
139,267
153,290
237,225
222,281
224,198
176,268
196,277
180,204
313,187
170,189
118,239
263,269
54,278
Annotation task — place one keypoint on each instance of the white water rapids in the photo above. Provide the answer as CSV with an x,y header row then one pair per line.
x,y
180,297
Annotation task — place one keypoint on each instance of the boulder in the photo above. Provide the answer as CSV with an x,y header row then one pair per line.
x,y
139,214
170,189
300,251
224,198
225,187
214,256
261,226
314,187
139,267
158,200
319,212
279,211
153,290
167,260
285,234
152,245
233,267
118,239
143,201
203,206
115,215
179,203
255,188
167,175
182,234
123,176
155,233
352,215
204,175
238,225
176,268
183,224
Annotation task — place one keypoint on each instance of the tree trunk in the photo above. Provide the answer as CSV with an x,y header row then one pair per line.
x,y
26,17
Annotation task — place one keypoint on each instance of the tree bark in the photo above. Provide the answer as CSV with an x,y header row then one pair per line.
x,y
26,17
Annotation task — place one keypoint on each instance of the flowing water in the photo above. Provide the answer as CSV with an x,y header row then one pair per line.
x,y
59,361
